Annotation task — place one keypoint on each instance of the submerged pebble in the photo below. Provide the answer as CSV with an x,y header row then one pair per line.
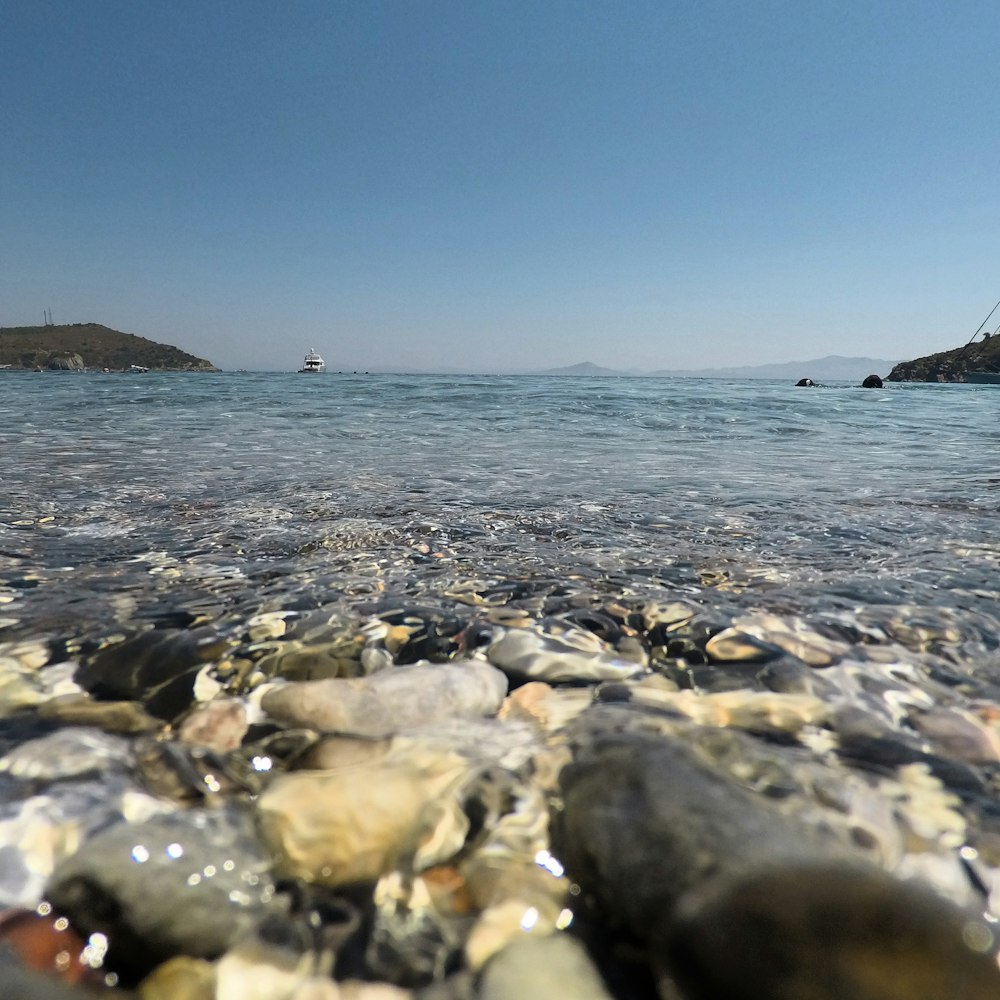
x,y
391,700
187,882
360,821
570,656
828,932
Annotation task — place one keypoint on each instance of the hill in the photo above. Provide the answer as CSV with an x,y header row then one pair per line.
x,y
90,346
950,366
832,368
829,369
584,368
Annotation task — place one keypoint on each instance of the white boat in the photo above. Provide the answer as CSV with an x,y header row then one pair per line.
x,y
983,378
312,362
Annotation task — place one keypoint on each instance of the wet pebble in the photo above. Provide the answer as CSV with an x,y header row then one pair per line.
x,y
553,965
66,753
645,819
40,830
571,656
111,716
358,822
219,725
391,700
959,734
828,933
159,668
181,883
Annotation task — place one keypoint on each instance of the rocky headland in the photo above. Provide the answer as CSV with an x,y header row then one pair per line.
x,y
950,366
89,347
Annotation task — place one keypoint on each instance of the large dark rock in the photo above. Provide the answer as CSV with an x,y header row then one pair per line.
x,y
645,821
829,933
66,362
183,883
737,896
157,668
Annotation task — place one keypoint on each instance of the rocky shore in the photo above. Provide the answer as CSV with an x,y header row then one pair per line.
x,y
89,347
645,801
952,365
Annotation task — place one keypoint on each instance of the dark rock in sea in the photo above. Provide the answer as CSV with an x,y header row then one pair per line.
x,y
872,382
736,896
183,883
66,362
645,820
828,933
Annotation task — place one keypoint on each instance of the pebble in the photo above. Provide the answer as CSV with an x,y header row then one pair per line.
x,y
552,965
66,753
645,819
188,882
358,822
219,725
391,700
570,657
428,805
111,716
828,932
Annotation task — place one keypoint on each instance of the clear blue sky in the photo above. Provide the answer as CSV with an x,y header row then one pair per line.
x,y
504,185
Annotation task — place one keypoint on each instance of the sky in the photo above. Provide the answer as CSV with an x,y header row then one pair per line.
x,y
488,186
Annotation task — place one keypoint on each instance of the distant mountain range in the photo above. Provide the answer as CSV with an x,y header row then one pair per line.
x,y
832,368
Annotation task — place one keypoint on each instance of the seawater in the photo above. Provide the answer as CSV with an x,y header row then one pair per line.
x,y
127,500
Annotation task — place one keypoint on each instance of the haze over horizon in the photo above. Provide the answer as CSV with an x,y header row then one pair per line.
x,y
489,186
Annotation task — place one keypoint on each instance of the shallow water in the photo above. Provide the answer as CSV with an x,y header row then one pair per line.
x,y
126,499
784,601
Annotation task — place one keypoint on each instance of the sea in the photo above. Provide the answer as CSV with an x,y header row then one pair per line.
x,y
132,501
748,619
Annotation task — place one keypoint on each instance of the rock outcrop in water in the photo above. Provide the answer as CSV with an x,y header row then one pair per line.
x,y
78,346
950,366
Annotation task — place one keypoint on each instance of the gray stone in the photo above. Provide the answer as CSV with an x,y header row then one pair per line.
x,y
183,883
829,933
551,965
390,701
645,820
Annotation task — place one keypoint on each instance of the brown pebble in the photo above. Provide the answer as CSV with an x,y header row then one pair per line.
x,y
219,725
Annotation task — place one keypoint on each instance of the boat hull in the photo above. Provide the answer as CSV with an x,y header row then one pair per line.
x,y
312,362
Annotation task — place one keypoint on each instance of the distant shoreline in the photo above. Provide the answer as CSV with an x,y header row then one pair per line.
x,y
89,347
